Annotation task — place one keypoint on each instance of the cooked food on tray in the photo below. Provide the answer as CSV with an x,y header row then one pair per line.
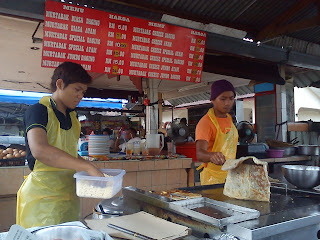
x,y
177,194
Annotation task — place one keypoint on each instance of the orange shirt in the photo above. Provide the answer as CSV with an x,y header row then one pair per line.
x,y
205,129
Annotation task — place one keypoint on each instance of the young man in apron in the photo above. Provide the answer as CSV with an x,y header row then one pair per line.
x,y
47,196
216,135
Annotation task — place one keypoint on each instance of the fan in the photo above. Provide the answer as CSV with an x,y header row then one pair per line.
x,y
245,131
177,132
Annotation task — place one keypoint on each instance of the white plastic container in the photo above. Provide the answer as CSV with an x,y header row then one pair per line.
x,y
99,187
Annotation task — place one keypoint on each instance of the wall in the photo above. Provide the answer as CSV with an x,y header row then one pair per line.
x,y
177,113
248,110
305,114
307,104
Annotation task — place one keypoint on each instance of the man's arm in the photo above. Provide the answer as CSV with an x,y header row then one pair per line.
x,y
204,156
54,157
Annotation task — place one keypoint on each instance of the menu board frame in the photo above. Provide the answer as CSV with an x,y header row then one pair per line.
x,y
112,43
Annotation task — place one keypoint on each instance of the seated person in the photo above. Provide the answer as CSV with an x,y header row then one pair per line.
x,y
109,132
183,122
131,137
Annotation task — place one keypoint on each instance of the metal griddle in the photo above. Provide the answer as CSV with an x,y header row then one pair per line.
x,y
288,210
290,214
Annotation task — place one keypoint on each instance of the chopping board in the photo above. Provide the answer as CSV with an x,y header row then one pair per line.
x,y
142,223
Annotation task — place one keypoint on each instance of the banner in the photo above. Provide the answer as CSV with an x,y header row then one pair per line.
x,y
116,44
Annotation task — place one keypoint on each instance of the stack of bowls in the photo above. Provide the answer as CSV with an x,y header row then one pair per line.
x,y
99,145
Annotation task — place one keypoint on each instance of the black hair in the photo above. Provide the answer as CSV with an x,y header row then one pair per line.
x,y
108,131
69,72
183,120
133,131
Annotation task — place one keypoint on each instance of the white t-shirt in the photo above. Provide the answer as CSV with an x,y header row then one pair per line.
x,y
132,140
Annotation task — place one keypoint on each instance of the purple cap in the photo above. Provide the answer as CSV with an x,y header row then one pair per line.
x,y
219,87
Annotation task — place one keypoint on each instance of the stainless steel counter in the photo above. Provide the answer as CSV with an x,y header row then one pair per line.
x,y
289,215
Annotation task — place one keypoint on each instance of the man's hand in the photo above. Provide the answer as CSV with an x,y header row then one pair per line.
x,y
217,158
93,171
204,156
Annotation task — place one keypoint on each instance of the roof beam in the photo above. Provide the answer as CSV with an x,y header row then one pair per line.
x,y
281,19
224,44
293,27
108,93
246,68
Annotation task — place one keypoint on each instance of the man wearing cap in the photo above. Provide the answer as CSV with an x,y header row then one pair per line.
x,y
216,135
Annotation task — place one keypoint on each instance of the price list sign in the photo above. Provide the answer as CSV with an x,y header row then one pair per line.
x,y
117,44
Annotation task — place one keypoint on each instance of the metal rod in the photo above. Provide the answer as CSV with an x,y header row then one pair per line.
x,y
135,234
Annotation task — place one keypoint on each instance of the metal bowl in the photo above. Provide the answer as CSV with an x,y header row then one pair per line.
x,y
311,150
302,176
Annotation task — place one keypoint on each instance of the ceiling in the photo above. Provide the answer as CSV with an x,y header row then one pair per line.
x,y
288,31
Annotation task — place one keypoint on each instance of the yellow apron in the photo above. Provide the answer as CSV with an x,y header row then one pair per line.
x,y
225,143
47,196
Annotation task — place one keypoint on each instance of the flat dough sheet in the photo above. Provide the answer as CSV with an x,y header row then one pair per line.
x,y
247,179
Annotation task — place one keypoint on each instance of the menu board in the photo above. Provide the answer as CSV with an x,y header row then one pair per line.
x,y
116,44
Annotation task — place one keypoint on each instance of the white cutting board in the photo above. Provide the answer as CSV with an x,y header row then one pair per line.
x,y
143,223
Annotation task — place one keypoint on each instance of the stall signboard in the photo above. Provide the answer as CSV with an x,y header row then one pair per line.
x,y
116,44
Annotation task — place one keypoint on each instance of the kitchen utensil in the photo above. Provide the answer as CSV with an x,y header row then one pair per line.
x,y
288,151
274,153
311,150
155,143
109,208
302,176
213,212
135,234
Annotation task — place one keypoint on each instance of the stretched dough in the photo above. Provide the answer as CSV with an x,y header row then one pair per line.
x,y
247,179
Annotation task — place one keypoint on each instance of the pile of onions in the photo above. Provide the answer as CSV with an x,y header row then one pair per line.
x,y
10,153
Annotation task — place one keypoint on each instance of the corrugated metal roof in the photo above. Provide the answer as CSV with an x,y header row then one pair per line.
x,y
243,90
297,45
311,78
249,15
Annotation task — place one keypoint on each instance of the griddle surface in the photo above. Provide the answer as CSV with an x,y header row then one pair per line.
x,y
282,206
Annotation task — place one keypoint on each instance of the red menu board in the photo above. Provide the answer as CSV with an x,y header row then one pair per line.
x,y
117,44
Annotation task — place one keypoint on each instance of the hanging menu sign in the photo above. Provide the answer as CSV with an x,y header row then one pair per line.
x,y
117,44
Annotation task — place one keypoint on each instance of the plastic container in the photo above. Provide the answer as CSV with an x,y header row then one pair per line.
x,y
99,187
188,149
274,153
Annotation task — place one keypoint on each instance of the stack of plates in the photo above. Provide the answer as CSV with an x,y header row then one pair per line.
x,y
98,145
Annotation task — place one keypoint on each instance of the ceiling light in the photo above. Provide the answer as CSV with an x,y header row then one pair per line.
x,y
247,39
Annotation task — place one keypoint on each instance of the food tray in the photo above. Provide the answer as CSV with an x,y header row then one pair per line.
x,y
13,162
99,187
213,212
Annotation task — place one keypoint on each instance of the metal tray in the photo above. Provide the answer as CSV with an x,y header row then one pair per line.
x,y
213,212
